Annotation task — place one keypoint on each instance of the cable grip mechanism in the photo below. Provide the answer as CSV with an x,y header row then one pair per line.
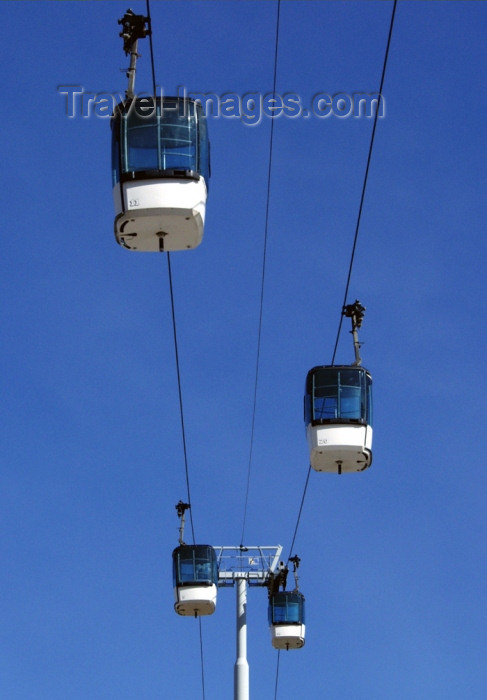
x,y
134,28
355,312
181,509
295,561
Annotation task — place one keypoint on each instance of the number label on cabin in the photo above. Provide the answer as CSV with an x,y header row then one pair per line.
x,y
133,202
322,441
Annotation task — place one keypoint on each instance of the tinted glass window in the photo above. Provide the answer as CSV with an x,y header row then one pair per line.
x,y
368,384
161,138
141,145
286,608
325,393
341,393
351,393
115,151
195,565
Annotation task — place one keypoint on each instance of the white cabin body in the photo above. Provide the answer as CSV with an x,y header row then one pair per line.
x,y
160,173
195,600
160,215
288,636
339,448
338,418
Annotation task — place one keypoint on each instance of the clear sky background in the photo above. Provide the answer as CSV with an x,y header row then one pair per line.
x,y
393,559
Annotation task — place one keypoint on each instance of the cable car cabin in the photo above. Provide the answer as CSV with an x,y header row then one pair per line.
x,y
195,577
338,418
160,170
286,620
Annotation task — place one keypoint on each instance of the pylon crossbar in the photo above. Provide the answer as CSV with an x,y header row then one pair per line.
x,y
255,564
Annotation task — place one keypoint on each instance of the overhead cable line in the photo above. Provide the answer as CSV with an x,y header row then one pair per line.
x,y
349,271
264,256
364,186
277,674
154,84
356,230
180,394
201,657
299,514
176,352
173,313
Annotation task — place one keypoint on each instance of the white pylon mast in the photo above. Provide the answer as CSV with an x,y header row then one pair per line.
x,y
241,672
246,567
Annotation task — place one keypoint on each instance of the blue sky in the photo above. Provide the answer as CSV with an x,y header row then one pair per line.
x,y
393,559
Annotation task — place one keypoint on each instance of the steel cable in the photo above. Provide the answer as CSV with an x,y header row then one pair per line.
x,y
352,257
178,372
264,257
364,186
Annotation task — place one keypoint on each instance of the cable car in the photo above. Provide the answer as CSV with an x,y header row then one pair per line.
x,y
160,173
286,619
338,418
195,578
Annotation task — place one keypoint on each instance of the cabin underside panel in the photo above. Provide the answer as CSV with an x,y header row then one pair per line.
x,y
287,636
195,600
158,215
157,230
339,449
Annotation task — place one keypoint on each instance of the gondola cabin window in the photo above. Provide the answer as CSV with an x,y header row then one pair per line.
x,y
195,564
341,394
160,135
